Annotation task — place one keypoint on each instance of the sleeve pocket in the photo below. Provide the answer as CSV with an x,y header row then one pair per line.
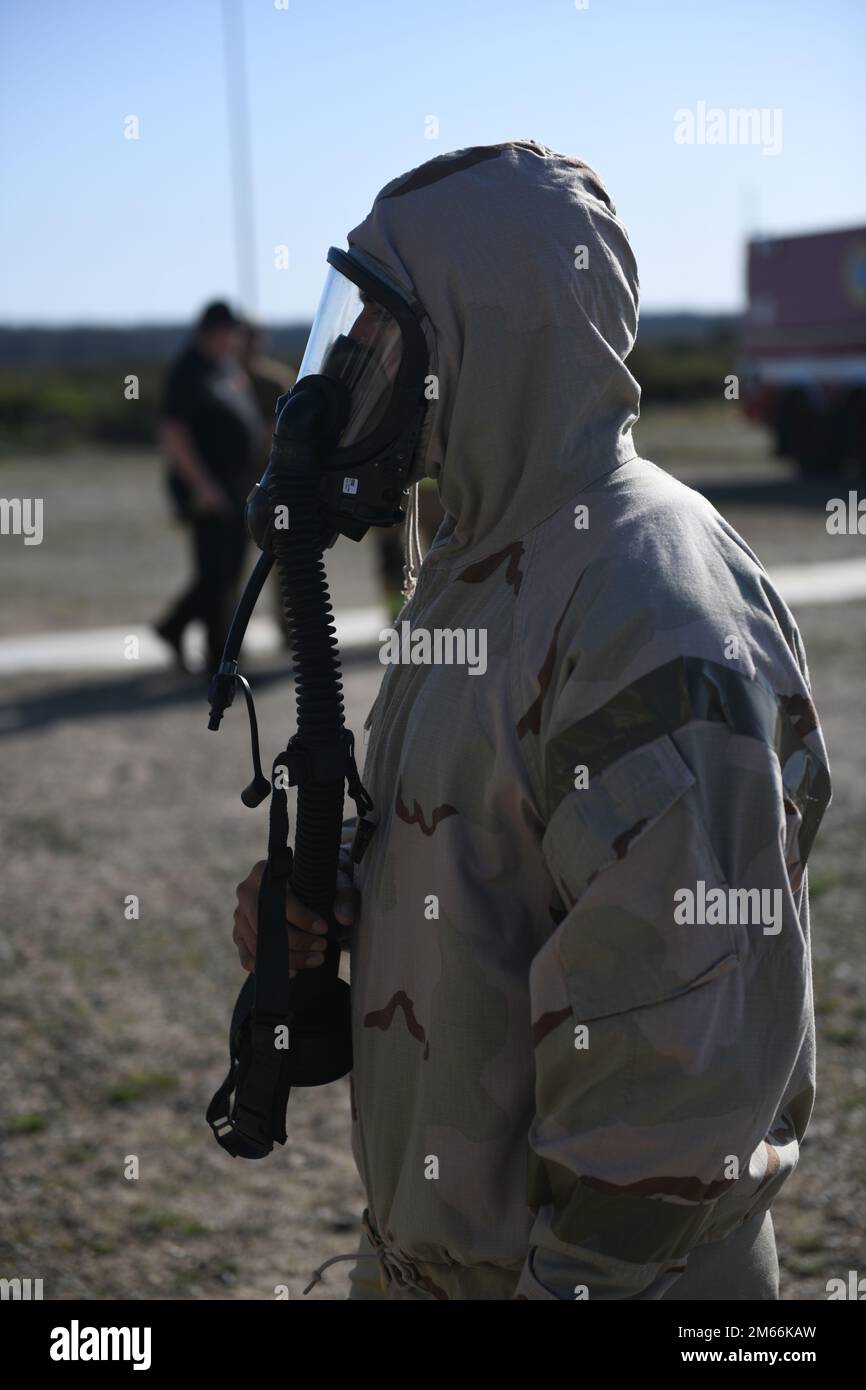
x,y
595,827
619,851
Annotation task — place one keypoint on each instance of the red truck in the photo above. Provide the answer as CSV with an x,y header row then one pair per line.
x,y
802,366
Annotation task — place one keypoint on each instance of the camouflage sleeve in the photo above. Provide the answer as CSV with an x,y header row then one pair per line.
x,y
346,869
671,1006
347,837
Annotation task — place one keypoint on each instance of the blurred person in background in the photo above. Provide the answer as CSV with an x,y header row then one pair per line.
x,y
269,379
211,431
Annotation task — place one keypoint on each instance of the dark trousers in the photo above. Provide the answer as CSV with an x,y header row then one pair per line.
x,y
218,544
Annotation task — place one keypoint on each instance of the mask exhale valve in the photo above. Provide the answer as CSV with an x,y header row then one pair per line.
x,y
294,1032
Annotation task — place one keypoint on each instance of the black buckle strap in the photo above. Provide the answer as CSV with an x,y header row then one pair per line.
x,y
357,791
328,764
364,832
247,1126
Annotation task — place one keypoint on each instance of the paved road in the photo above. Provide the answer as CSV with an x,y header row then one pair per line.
x,y
837,581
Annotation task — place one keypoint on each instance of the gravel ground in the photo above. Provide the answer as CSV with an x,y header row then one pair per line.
x,y
112,1031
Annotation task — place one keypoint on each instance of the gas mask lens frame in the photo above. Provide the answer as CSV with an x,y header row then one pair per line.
x,y
369,337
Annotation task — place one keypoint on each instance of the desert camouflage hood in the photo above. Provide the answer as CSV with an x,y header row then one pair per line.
x,y
503,246
559,1083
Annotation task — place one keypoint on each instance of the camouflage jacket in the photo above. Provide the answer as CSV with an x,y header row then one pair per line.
x,y
583,1020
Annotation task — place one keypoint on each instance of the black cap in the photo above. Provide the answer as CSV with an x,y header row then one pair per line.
x,y
217,315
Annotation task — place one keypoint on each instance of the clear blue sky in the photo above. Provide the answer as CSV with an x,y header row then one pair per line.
x,y
97,228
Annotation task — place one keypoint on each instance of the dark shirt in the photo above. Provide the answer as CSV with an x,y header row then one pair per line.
x,y
269,380
216,403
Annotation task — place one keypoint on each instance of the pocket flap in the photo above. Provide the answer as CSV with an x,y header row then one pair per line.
x,y
594,827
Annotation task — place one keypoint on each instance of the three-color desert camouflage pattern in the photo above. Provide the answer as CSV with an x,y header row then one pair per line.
x,y
560,1089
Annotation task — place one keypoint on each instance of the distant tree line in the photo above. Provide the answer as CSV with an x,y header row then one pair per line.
x,y
70,386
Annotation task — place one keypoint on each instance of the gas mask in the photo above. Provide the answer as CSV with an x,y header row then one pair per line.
x,y
367,338
345,442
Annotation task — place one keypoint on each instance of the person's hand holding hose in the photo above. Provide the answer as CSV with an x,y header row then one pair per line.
x,y
306,930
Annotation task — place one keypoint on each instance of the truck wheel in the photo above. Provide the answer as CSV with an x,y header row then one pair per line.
x,y
796,431
853,430
807,435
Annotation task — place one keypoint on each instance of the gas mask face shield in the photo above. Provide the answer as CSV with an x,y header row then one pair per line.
x,y
368,336
356,341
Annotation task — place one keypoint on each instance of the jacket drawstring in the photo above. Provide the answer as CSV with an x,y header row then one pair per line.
x,y
319,1271
393,1266
412,545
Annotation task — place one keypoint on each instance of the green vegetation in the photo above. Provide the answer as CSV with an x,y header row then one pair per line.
x,y
29,833
66,406
684,369
149,1223
140,1086
808,1242
28,1123
61,401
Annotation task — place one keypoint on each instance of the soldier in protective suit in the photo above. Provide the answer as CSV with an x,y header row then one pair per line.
x,y
583,1024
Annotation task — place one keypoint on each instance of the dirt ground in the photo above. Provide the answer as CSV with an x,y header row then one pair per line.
x,y
113,1031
